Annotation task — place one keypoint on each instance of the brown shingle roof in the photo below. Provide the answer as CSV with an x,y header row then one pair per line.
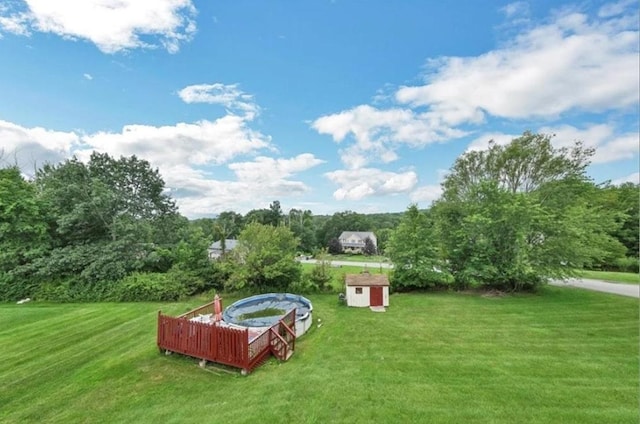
x,y
366,279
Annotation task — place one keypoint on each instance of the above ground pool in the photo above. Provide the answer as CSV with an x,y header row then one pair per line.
x,y
264,310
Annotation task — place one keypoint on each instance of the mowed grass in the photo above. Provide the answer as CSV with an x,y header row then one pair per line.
x,y
358,258
557,356
614,277
338,273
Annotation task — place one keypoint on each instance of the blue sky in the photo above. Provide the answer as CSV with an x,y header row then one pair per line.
x,y
323,105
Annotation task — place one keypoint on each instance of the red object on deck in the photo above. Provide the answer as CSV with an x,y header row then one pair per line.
x,y
217,306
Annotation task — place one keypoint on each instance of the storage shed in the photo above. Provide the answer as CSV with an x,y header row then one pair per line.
x,y
364,290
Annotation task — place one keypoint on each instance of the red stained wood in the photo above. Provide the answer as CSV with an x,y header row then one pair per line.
x,y
375,296
225,345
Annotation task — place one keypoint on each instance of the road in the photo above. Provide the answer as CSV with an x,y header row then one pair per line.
x,y
631,290
385,265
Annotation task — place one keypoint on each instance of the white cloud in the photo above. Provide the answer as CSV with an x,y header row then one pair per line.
x,y
426,194
571,63
516,9
632,178
618,148
187,156
30,148
87,76
15,23
356,184
200,143
609,144
266,168
199,194
112,25
617,8
378,133
228,96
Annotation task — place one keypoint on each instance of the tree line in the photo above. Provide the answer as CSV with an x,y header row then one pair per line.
x,y
107,230
509,218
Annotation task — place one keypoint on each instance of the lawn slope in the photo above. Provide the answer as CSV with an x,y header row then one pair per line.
x,y
558,356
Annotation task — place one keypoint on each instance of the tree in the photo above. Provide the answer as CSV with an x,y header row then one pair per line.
x,y
383,235
335,247
414,251
275,213
264,259
369,247
321,272
23,232
105,218
229,223
514,215
261,216
301,225
624,200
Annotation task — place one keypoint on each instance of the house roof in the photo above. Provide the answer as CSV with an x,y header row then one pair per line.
x,y
229,244
360,234
366,279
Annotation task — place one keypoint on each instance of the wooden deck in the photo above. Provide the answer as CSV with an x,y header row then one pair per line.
x,y
242,348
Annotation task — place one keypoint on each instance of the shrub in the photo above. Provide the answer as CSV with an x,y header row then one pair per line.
x,y
627,264
150,287
74,290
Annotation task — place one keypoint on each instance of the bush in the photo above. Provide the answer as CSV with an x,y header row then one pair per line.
x,y
407,279
75,290
189,280
627,265
153,287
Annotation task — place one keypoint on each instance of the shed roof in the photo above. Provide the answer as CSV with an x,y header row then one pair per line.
x,y
366,279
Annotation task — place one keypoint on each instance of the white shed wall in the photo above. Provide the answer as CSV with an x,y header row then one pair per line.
x,y
362,300
359,300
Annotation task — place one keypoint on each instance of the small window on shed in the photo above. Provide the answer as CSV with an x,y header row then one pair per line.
x,y
358,290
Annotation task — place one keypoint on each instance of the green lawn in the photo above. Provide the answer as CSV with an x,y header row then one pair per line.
x,y
338,273
358,258
614,277
559,356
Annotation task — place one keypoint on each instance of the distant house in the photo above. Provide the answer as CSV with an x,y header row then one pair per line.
x,y
354,241
215,250
367,289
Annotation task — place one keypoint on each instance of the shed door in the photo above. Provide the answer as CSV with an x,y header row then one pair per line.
x,y
375,296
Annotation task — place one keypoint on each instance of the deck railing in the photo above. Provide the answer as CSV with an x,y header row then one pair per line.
x,y
214,343
207,308
222,344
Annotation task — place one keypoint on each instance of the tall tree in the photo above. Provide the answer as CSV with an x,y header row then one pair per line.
x,y
264,259
275,213
23,231
302,226
514,215
105,217
413,249
369,247
229,223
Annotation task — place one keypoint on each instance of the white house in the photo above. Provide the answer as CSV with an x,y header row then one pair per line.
x,y
354,241
367,289
215,250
